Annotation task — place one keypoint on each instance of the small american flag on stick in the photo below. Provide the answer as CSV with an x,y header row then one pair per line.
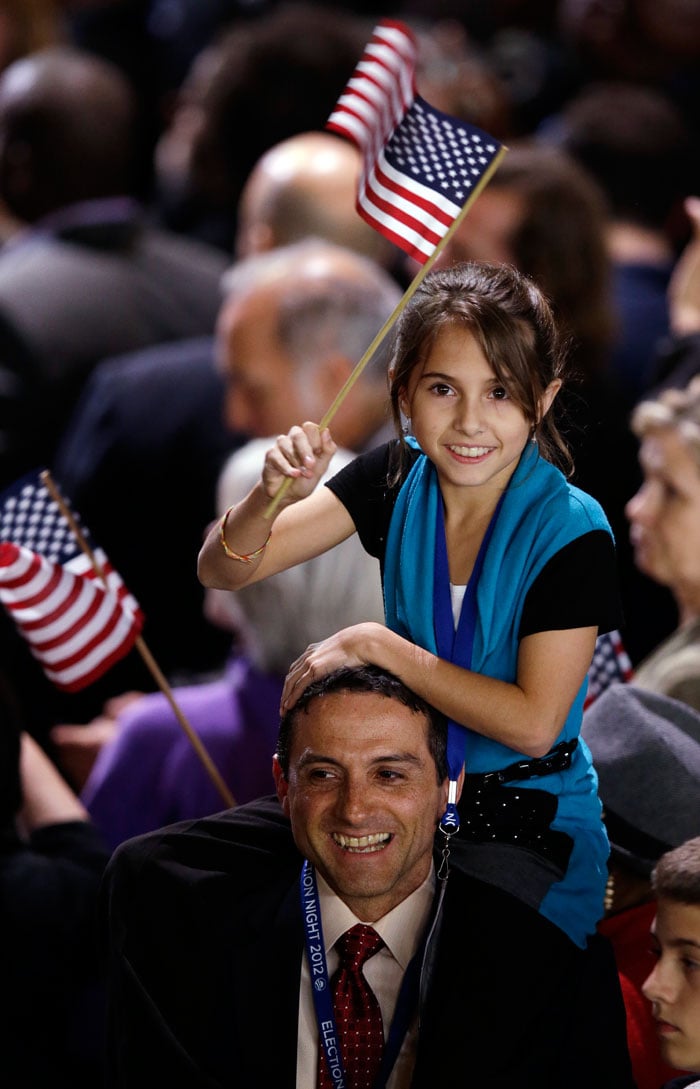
x,y
611,665
68,601
421,166
69,604
422,169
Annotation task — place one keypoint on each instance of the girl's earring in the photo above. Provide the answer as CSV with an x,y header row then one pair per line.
x,y
407,425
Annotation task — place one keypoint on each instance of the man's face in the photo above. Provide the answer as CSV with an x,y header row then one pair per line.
x,y
363,797
265,392
673,988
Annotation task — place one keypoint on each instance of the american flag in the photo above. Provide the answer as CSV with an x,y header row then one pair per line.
x,y
420,165
610,665
78,621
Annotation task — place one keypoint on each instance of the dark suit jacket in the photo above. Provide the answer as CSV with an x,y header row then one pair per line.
x,y
145,445
205,939
205,956
142,451
50,983
72,297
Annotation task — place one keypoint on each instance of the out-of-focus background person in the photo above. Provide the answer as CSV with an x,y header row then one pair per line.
x,y
665,532
51,863
646,751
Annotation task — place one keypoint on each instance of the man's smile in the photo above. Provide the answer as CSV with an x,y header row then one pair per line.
x,y
362,844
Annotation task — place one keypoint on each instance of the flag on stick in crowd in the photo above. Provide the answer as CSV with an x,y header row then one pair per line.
x,y
421,167
68,601
610,665
70,605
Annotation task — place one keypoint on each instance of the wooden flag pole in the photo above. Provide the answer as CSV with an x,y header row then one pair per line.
x,y
196,742
408,293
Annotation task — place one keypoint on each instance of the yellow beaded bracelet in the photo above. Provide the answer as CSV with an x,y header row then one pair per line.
x,y
250,556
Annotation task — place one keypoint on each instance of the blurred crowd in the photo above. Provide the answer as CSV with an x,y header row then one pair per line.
x,y
167,194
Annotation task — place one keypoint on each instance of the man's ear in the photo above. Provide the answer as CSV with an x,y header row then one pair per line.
x,y
331,374
255,238
281,784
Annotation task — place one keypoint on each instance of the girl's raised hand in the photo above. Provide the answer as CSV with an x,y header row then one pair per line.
x,y
684,287
302,455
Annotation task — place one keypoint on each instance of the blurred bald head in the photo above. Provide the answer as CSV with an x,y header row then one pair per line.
x,y
306,186
66,133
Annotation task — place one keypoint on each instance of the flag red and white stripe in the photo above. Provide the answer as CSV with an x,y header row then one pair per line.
x,y
77,616
74,625
611,665
420,166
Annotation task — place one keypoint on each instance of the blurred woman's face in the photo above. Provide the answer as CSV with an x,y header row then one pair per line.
x,y
486,232
665,514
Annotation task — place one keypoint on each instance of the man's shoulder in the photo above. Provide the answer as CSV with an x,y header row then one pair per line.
x,y
39,260
204,886
181,371
229,844
49,262
179,249
158,364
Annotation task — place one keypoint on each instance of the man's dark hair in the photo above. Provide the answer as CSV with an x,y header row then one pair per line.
x,y
68,131
367,679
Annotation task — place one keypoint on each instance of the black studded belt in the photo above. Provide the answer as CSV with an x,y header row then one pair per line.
x,y
491,812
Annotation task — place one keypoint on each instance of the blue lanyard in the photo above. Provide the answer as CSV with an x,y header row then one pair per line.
x,y
323,999
455,645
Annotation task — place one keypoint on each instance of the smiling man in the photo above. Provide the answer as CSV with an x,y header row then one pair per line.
x,y
362,788
256,947
221,932
361,774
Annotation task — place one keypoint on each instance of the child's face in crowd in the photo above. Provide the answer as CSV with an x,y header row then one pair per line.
x,y
463,416
673,987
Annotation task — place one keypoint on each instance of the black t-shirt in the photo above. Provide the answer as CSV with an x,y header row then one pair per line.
x,y
577,587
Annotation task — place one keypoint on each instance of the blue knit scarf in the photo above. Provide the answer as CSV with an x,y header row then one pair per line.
x,y
538,515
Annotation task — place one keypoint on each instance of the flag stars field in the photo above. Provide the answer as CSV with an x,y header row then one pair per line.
x,y
420,166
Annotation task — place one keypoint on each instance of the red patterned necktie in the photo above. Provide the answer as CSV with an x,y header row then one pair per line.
x,y
358,1019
